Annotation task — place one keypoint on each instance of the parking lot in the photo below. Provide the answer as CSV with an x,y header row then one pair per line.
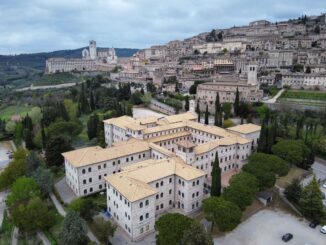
x,y
267,227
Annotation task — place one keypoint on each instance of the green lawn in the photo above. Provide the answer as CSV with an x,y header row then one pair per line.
x,y
304,95
8,111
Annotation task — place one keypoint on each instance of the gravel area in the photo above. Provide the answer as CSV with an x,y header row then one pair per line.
x,y
144,112
267,227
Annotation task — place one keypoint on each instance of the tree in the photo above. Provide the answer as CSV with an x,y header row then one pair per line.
x,y
187,103
228,123
54,148
216,178
170,228
263,139
293,151
91,101
32,216
237,103
198,111
21,191
196,235
45,180
29,139
100,134
92,126
293,191
150,87
14,170
225,214
271,163
103,229
217,110
242,190
311,202
33,161
43,135
74,230
266,179
317,29
206,115
84,207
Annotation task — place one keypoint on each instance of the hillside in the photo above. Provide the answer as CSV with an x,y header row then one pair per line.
x,y
18,70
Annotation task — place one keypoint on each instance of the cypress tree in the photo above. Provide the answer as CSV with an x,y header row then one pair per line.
x,y
262,141
92,125
187,103
29,139
217,110
91,101
216,178
206,115
237,103
43,135
198,111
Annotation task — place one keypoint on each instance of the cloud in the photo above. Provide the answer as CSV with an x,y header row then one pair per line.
x,y
38,25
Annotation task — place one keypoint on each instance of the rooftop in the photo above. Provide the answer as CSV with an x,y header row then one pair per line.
x,y
133,181
90,155
245,128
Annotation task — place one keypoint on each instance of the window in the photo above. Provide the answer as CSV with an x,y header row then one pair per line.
x,y
147,215
141,218
157,207
90,180
99,167
91,189
99,177
170,191
89,169
142,230
141,204
100,186
85,191
157,196
162,183
83,171
197,182
113,163
84,181
147,202
170,180
162,205
104,166
162,194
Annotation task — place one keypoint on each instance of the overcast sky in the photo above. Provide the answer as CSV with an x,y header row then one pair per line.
x,y
45,25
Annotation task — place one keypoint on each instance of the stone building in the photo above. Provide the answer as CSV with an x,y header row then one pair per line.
x,y
92,60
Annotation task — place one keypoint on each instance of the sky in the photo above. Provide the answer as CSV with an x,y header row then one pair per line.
x,y
29,26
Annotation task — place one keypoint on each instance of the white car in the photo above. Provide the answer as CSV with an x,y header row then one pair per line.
x,y
323,229
324,185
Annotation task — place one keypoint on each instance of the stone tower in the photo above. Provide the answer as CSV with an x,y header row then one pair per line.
x,y
92,49
252,74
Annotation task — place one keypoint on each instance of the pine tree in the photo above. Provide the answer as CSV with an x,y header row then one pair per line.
x,y
262,141
237,103
206,115
311,202
216,178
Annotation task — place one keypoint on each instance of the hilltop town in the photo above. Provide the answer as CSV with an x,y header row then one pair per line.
x,y
190,142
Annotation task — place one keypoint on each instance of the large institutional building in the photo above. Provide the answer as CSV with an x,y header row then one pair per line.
x,y
92,60
226,86
152,165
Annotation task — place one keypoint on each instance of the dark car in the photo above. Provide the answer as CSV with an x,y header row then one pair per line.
x,y
314,223
287,237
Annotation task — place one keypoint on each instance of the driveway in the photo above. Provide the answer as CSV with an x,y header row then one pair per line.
x,y
267,227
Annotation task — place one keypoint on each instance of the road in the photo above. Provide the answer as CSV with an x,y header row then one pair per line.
x,y
274,99
2,206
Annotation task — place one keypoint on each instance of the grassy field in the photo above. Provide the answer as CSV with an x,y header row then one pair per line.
x,y
294,173
304,95
54,79
21,110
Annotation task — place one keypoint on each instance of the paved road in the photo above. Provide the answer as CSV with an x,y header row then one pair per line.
x,y
273,100
2,206
14,237
43,238
267,227
63,213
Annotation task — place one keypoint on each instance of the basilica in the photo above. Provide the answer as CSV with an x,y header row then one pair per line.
x,y
93,59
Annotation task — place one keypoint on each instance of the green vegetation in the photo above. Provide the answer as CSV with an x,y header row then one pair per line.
x,y
9,111
176,229
55,79
216,178
304,95
6,230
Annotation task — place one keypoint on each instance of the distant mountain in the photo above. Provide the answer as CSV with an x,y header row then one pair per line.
x,y
37,60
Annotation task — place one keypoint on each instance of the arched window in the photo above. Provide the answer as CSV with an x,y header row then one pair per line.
x,y
141,218
141,204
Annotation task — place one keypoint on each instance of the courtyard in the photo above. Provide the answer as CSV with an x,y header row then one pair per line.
x,y
268,226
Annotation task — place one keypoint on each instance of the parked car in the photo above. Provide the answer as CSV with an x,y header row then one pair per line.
x,y
314,223
323,229
324,185
287,237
